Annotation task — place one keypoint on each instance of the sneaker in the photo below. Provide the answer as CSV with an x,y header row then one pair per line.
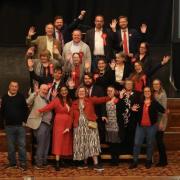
x,y
133,165
39,167
98,167
148,164
83,166
23,167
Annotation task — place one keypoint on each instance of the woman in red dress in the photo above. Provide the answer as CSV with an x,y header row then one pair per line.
x,y
62,134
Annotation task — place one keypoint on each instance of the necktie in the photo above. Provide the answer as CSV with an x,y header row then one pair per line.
x,y
52,89
61,38
125,43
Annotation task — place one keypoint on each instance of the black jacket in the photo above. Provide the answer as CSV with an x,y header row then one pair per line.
x,y
90,37
154,109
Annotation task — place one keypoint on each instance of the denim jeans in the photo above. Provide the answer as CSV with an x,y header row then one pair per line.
x,y
16,135
42,135
144,132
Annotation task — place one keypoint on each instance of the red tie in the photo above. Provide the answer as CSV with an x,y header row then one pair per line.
x,y
61,38
125,42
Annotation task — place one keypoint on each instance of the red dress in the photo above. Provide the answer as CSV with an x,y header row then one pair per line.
x,y
61,143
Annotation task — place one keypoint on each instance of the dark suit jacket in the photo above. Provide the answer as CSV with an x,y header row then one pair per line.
x,y
134,40
66,30
90,37
100,109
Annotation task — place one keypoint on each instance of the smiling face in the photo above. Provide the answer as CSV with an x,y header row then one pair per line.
x,y
119,59
147,92
88,81
101,65
57,75
49,29
81,93
128,85
138,67
156,85
63,91
58,23
99,22
123,22
76,36
76,58
13,88
111,92
43,90
142,48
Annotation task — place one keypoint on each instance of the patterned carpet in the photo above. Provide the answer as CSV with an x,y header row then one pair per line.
x,y
173,169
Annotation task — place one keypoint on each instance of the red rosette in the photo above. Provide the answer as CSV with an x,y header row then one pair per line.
x,y
73,75
104,36
51,67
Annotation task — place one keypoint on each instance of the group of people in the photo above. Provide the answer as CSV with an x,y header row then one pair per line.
x,y
86,91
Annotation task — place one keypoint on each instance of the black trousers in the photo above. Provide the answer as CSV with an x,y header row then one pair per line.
x,y
161,147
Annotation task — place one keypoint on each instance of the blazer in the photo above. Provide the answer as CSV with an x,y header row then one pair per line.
x,y
34,119
88,108
84,48
37,65
134,40
162,99
90,37
41,44
67,29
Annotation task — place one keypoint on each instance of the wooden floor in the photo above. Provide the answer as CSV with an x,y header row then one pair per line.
x,y
99,178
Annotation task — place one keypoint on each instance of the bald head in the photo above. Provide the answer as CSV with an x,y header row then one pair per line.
x,y
43,90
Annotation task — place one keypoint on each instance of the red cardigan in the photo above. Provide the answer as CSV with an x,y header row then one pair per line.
x,y
88,108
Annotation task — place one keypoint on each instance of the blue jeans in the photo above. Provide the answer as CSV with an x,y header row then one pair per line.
x,y
144,132
16,135
42,135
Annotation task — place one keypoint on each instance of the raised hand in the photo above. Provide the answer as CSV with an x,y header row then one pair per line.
x,y
113,25
31,31
143,28
165,59
112,64
135,107
121,93
54,93
82,14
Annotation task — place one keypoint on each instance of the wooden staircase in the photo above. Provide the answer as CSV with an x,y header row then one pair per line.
x,y
172,134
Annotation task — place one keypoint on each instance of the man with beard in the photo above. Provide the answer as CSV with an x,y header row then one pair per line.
x,y
100,110
63,31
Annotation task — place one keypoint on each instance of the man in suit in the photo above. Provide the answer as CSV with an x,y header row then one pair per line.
x,y
99,40
40,123
47,41
127,40
63,31
77,46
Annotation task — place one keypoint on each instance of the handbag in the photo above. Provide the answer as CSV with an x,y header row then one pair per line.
x,y
92,124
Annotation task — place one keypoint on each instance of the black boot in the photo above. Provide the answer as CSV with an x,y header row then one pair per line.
x,y
57,167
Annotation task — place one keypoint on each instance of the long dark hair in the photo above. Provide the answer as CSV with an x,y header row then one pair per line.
x,y
68,98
